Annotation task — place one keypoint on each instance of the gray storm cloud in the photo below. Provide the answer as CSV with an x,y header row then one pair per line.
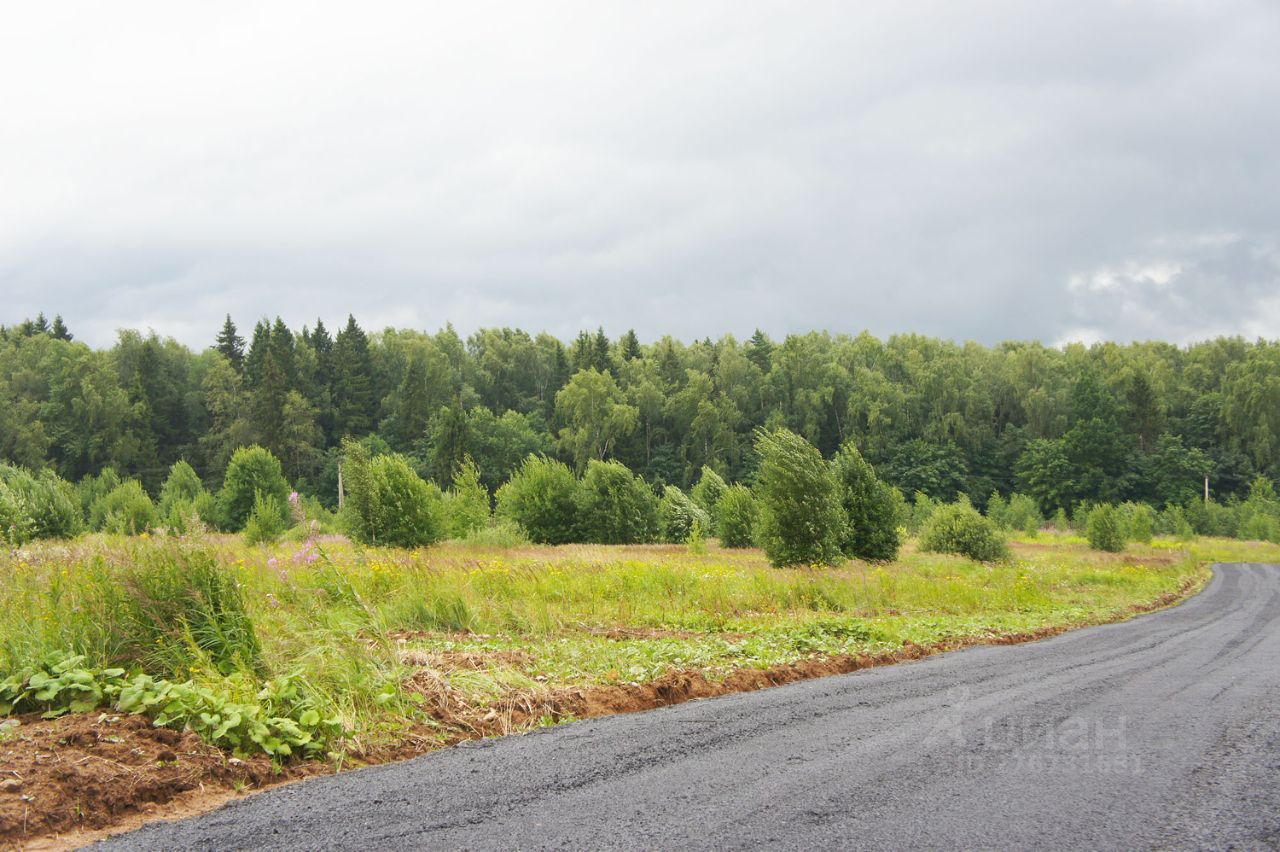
x,y
985,170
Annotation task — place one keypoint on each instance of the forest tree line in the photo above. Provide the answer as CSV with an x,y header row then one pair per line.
x,y
1105,423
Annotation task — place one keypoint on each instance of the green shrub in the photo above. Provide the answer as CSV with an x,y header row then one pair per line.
x,y
387,502
735,524
1140,522
707,493
870,508
182,484
677,513
1104,527
267,522
1060,521
921,510
467,502
252,470
541,497
498,532
958,528
615,506
801,520
32,506
1173,521
91,489
126,510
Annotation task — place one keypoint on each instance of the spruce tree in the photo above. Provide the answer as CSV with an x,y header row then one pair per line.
x,y
229,343
59,328
630,345
353,390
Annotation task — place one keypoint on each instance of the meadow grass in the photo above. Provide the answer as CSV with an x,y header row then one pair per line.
x,y
355,624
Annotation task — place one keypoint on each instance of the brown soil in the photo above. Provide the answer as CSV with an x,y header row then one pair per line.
x,y
69,781
64,777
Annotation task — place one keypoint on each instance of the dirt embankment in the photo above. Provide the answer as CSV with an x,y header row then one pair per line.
x,y
68,781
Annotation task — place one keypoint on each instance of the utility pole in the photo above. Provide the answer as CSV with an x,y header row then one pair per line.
x,y
340,486
1206,488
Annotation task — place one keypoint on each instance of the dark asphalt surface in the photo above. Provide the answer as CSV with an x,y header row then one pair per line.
x,y
1160,732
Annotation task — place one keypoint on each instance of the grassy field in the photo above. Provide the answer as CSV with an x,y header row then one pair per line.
x,y
368,649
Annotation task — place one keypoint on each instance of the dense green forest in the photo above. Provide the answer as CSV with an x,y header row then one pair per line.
x,y
1142,422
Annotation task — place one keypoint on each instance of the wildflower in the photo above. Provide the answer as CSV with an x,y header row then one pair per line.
x,y
293,498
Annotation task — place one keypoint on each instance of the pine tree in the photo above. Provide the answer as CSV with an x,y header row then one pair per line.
x,y
760,351
230,344
41,325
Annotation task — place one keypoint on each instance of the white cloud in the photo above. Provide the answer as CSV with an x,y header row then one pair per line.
x,y
680,168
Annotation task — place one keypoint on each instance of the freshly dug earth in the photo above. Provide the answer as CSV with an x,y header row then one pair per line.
x,y
63,782
74,774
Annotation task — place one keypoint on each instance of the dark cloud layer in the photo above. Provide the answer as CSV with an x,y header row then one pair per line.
x,y
983,170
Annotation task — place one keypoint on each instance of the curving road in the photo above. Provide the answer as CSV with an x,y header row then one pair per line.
x,y
1160,732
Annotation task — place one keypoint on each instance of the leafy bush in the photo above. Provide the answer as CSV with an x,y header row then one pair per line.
x,y
35,506
184,500
736,519
1104,528
467,502
126,510
707,493
1019,512
91,489
268,520
1173,521
870,509
182,484
1140,522
499,532
801,520
959,528
921,510
677,514
387,502
615,506
251,471
542,498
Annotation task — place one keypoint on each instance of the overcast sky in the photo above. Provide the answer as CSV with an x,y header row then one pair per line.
x,y
974,170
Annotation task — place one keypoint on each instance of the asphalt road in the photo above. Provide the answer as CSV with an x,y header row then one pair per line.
x,y
1161,732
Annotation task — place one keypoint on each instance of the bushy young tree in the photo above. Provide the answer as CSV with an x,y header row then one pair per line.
x,y
1104,528
870,509
708,491
36,506
467,502
801,520
183,484
126,510
267,521
920,511
735,524
615,506
542,498
677,514
251,471
1140,522
387,502
958,528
